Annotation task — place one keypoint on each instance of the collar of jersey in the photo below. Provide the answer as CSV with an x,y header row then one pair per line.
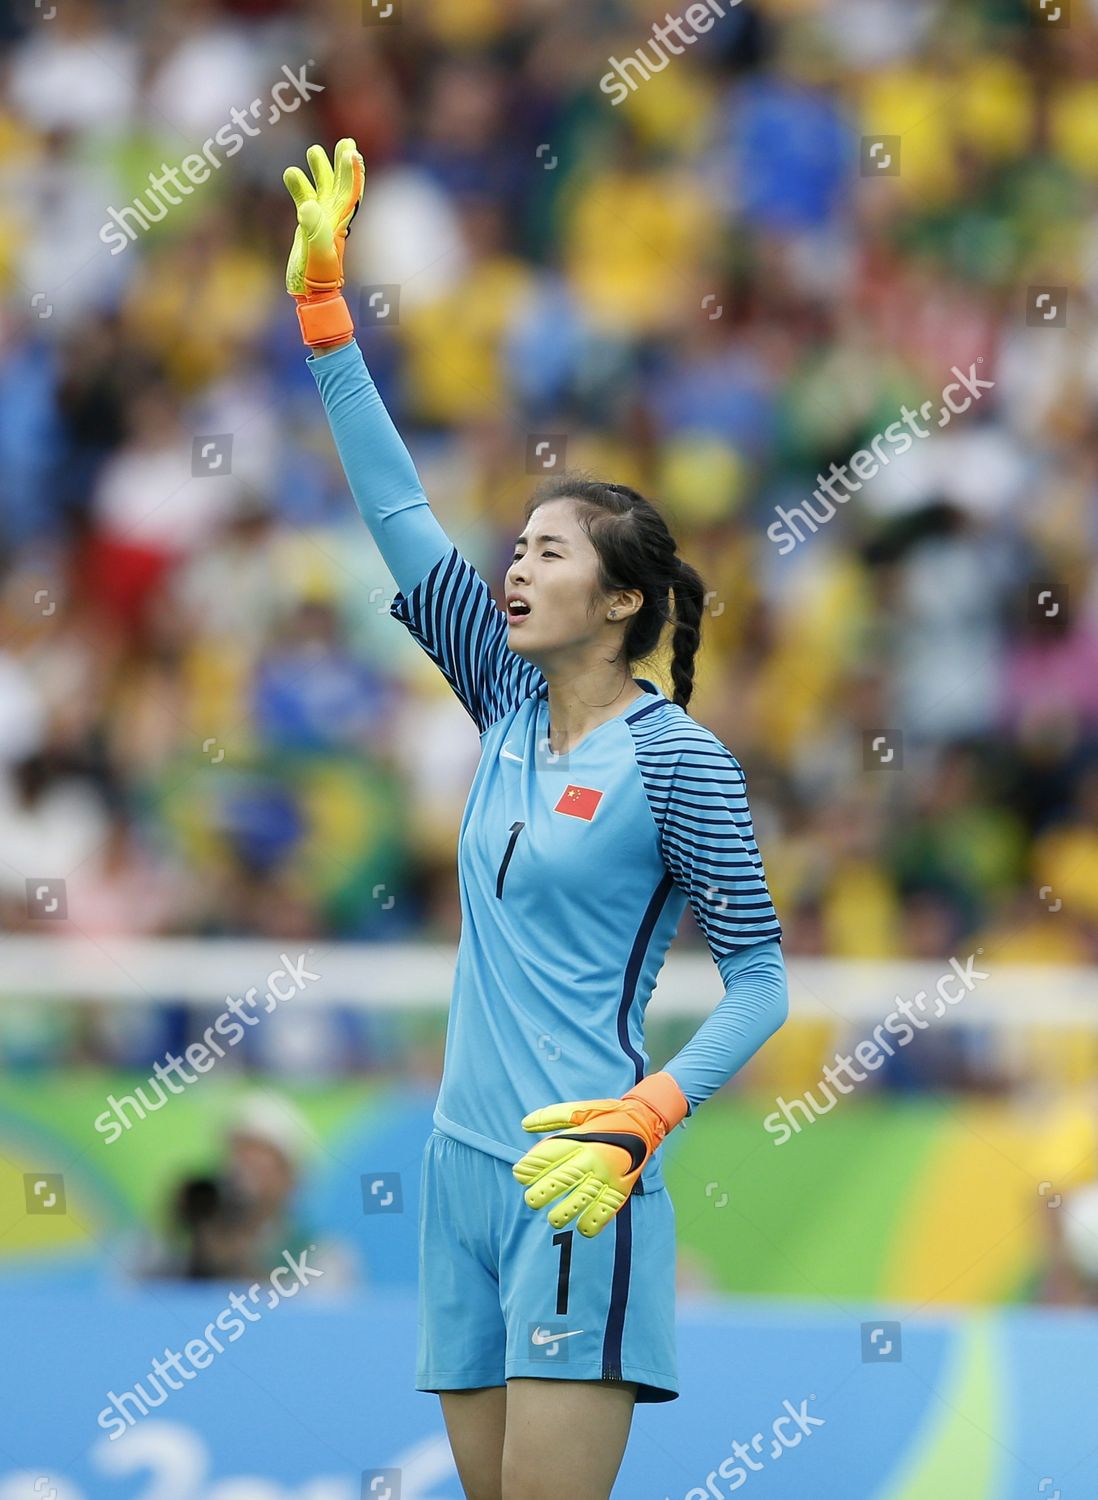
x,y
651,692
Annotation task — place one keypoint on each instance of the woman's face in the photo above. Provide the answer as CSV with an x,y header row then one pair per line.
x,y
555,572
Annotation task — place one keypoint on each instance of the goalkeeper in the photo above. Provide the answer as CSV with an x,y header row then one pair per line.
x,y
599,810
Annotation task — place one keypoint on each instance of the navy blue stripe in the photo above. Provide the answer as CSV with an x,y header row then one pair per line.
x,y
456,606
757,929
751,868
435,600
714,799
739,927
633,968
695,761
643,712
732,792
619,1291
687,739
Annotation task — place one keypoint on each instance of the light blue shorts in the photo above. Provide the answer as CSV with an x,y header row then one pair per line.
x,y
502,1293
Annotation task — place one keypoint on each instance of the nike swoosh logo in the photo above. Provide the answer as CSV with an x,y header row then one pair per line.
x,y
540,1336
508,755
625,1139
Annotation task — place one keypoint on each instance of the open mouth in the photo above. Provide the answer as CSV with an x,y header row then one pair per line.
x,y
517,612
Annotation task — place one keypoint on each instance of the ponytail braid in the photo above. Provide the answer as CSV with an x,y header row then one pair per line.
x,y
689,593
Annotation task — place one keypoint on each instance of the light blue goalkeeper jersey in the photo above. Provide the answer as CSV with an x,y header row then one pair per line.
x,y
574,869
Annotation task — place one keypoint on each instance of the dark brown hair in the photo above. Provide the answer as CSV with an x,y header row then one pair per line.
x,y
637,551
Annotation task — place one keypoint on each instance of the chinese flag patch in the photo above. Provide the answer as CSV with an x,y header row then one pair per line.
x,y
579,802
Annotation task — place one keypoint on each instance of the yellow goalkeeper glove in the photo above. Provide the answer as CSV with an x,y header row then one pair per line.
x,y
597,1164
314,271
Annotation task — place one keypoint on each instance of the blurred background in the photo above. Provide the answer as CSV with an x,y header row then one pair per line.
x,y
217,748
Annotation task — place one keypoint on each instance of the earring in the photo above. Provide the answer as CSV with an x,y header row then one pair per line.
x,y
613,614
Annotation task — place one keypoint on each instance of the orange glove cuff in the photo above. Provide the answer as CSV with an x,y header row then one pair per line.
x,y
662,1093
324,319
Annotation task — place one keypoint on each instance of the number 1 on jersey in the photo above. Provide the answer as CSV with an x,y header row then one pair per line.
x,y
516,829
564,1239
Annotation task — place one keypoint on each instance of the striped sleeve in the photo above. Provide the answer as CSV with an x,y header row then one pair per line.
x,y
698,795
452,615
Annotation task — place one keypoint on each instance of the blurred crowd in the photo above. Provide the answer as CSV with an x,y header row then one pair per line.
x,y
208,722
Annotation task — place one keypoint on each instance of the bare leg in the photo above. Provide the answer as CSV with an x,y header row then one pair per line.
x,y
565,1437
475,1425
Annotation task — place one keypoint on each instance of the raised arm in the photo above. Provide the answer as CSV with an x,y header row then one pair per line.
x,y
443,600
378,466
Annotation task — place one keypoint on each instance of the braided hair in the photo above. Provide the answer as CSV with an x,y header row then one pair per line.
x,y
637,551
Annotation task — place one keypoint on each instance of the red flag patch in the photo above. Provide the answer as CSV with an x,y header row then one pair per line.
x,y
579,802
